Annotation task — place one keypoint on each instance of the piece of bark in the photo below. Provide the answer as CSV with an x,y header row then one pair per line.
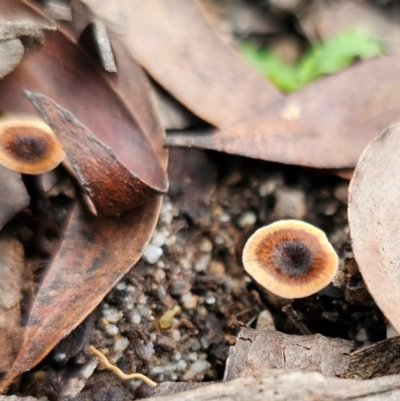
x,y
102,41
75,380
167,388
13,195
380,359
257,350
374,196
12,262
31,27
278,385
11,53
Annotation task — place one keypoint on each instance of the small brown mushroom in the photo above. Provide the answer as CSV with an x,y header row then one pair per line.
x,y
290,258
28,146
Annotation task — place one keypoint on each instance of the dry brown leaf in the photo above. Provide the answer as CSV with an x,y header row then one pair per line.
x,y
374,197
186,57
13,195
326,125
110,186
12,260
65,73
94,255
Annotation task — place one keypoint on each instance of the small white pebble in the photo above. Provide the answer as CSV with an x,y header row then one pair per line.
x,y
144,310
181,365
134,384
60,357
176,335
142,299
194,344
185,264
121,344
197,368
129,305
171,366
147,351
131,289
247,219
158,369
224,217
158,239
159,276
121,286
135,318
206,245
112,315
202,263
201,310
192,356
204,343
111,329
202,356
152,253
160,264
189,301
361,336
177,356
210,300
266,188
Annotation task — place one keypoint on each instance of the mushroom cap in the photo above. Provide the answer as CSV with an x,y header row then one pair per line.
x,y
290,258
28,146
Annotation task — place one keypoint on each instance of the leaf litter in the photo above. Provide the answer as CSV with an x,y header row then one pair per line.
x,y
187,297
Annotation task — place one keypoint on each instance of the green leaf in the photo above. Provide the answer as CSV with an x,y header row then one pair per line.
x,y
323,58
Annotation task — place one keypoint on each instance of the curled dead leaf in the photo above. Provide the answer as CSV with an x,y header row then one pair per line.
x,y
326,125
110,186
374,197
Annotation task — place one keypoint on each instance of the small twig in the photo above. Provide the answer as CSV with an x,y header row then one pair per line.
x,y
295,319
118,372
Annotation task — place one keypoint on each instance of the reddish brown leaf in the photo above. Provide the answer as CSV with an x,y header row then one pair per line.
x,y
326,125
185,56
65,73
110,186
374,198
94,255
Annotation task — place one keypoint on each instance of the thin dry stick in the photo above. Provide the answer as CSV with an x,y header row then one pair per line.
x,y
118,372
